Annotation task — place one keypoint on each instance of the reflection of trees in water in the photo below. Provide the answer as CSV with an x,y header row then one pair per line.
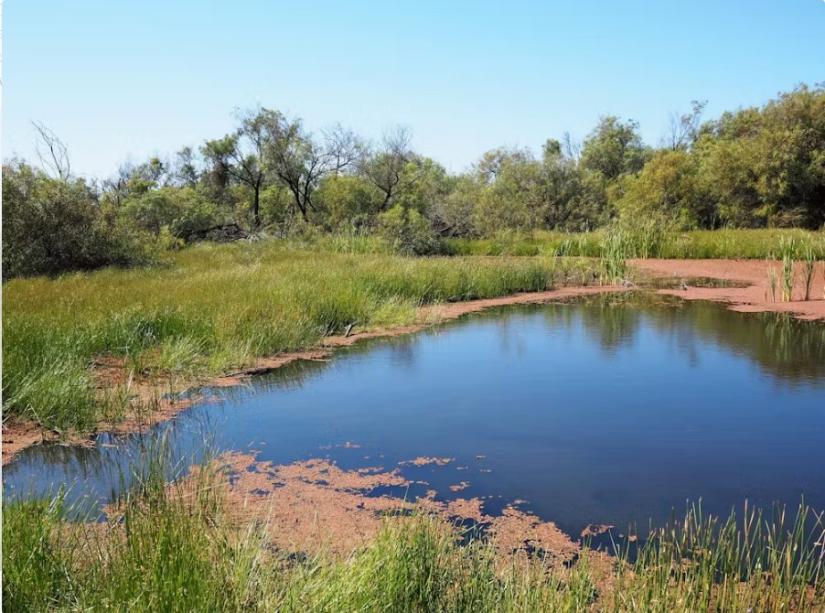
x,y
402,349
611,320
782,345
510,338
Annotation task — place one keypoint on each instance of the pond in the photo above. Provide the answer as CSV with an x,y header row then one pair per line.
x,y
615,409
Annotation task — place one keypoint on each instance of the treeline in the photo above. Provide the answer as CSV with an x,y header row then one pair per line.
x,y
755,167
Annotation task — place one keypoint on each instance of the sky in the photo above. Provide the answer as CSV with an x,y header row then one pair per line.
x,y
122,80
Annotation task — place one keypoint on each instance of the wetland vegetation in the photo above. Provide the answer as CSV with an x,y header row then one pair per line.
x,y
117,297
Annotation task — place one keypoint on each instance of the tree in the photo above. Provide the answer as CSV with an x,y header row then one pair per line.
x,y
564,191
347,201
766,166
299,162
186,172
452,215
51,225
684,129
512,197
383,168
668,187
613,148
240,154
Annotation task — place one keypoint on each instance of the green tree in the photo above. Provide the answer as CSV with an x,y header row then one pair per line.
x,y
614,148
408,231
667,186
347,201
513,195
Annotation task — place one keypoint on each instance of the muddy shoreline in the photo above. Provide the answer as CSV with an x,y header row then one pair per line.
x,y
752,296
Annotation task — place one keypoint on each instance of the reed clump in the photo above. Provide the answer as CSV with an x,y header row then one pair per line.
x,y
773,280
787,249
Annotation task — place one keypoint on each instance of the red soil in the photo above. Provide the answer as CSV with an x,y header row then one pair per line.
x,y
756,297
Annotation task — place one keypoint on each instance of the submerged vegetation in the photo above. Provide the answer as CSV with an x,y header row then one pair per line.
x,y
172,547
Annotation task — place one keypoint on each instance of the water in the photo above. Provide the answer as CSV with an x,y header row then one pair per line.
x,y
610,410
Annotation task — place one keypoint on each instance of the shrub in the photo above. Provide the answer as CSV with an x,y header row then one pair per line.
x,y
408,232
53,225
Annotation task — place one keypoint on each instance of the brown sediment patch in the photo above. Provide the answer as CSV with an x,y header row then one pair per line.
x,y
425,461
458,487
755,296
19,434
153,399
596,530
315,505
521,534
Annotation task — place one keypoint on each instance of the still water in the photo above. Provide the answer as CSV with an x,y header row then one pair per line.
x,y
612,409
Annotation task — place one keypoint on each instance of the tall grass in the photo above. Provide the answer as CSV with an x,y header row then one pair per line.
x,y
214,308
613,257
181,554
649,239
773,281
701,563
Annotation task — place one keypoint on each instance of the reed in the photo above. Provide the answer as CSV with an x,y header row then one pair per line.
x,y
810,266
651,240
787,248
613,257
773,281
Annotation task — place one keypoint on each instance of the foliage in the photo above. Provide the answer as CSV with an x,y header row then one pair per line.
x,y
666,187
408,231
752,168
347,202
53,225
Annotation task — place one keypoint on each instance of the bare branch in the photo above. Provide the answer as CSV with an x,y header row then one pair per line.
x,y
52,152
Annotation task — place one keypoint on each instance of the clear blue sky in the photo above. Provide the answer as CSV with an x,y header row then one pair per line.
x,y
120,80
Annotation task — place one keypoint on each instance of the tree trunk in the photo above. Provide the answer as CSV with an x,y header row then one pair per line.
x,y
256,205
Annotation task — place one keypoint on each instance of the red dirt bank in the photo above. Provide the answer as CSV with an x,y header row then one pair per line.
x,y
754,298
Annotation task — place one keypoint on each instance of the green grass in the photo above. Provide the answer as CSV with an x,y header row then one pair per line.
x,y
214,308
173,553
648,240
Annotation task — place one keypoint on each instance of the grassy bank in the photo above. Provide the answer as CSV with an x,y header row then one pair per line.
x,y
215,308
646,241
171,549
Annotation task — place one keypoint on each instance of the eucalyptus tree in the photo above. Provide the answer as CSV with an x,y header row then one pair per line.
x,y
240,155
